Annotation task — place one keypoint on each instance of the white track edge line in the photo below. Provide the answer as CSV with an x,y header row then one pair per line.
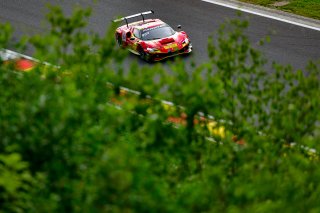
x,y
255,12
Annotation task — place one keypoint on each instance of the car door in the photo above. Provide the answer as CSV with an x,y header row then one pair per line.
x,y
135,38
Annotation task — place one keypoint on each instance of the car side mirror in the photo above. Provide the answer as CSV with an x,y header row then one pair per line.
x,y
179,27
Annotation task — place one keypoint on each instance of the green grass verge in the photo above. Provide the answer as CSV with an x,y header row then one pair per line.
x,y
308,8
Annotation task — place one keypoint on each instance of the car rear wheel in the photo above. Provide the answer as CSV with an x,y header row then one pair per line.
x,y
118,39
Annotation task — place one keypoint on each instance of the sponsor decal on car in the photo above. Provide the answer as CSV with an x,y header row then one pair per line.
x,y
171,46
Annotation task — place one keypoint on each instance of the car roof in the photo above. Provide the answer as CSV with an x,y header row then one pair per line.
x,y
148,23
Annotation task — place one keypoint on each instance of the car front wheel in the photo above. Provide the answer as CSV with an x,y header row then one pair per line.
x,y
144,56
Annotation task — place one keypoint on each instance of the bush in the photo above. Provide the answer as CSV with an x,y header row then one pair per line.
x,y
65,147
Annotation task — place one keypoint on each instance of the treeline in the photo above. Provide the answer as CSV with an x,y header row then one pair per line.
x,y
65,148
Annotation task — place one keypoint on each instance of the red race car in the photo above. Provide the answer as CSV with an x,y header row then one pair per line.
x,y
152,39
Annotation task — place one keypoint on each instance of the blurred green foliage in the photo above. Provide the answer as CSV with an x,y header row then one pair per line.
x,y
65,148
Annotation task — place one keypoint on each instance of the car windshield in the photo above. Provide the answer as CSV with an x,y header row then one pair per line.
x,y
158,32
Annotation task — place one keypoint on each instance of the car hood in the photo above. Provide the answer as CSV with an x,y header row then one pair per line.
x,y
164,44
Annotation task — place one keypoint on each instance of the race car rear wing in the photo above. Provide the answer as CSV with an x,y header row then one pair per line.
x,y
133,16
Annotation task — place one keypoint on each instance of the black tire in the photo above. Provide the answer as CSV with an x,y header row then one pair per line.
x,y
143,55
119,40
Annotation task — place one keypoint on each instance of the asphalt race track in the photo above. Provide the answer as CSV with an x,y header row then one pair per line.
x,y
290,44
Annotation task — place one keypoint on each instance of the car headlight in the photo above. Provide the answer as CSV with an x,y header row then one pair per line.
x,y
152,50
186,41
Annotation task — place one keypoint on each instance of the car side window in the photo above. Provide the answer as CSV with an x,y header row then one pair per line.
x,y
136,33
